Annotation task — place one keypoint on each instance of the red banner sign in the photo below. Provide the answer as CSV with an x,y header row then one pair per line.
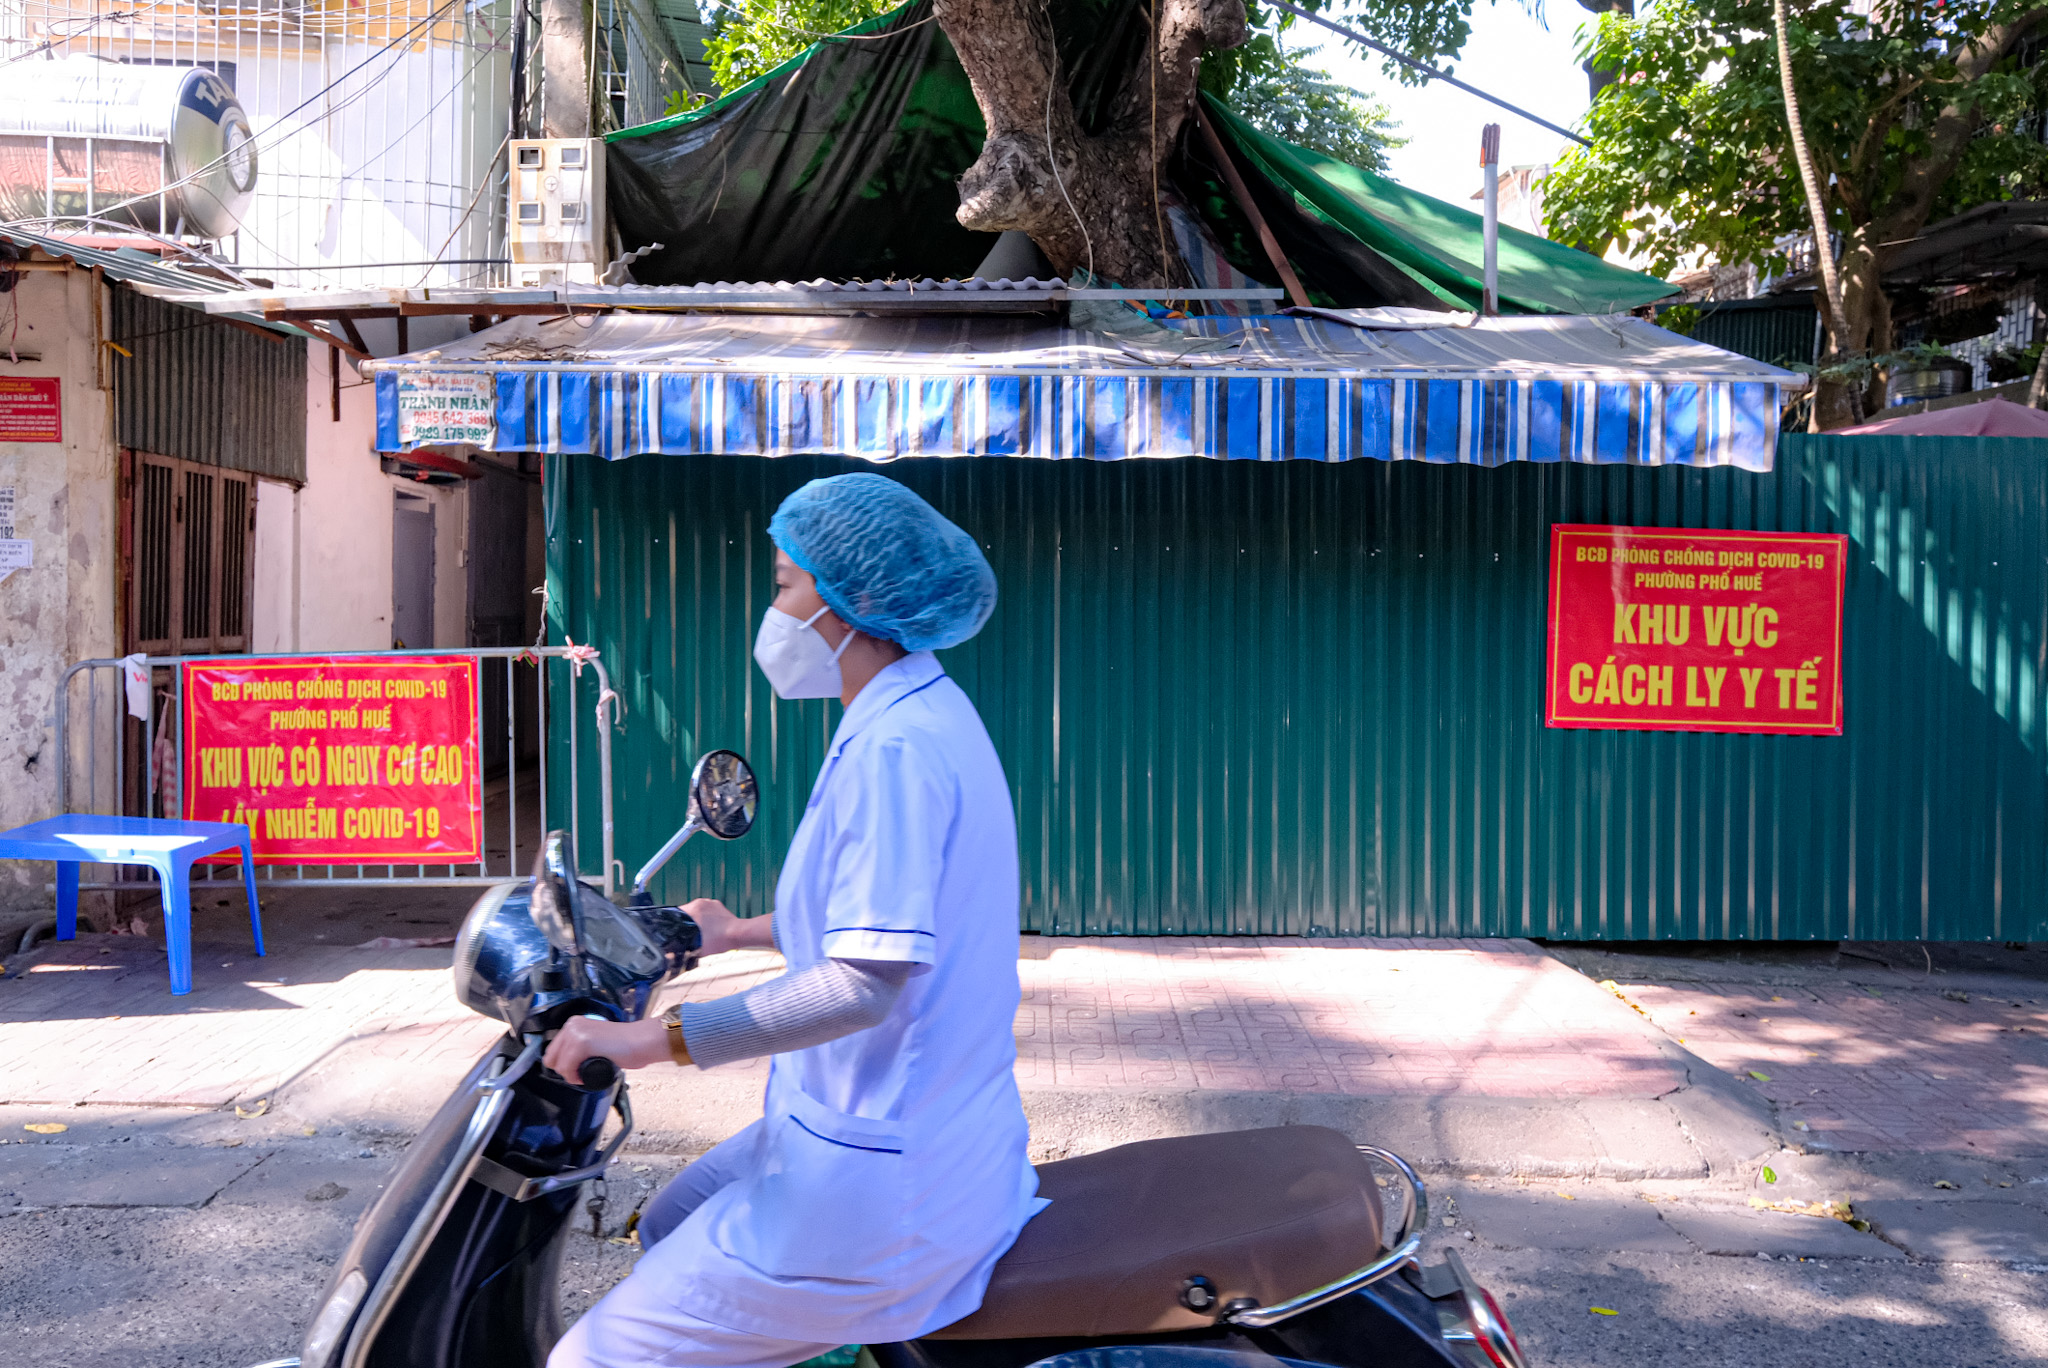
x,y
337,759
31,409
1653,629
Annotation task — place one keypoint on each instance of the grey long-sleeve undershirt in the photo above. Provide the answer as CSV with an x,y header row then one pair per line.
x,y
804,1007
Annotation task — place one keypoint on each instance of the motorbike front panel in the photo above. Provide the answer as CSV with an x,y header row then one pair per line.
x,y
485,1292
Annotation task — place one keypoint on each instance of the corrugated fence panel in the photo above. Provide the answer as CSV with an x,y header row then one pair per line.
x,y
1778,336
202,390
1304,699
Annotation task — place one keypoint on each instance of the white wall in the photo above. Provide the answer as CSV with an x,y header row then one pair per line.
x,y
272,625
451,562
323,552
62,610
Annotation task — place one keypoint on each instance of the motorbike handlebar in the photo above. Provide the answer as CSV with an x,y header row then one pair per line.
x,y
596,1074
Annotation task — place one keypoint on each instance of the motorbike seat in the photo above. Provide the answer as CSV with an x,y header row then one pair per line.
x,y
1264,1214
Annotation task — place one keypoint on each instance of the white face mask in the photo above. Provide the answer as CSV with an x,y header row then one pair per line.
x,y
797,659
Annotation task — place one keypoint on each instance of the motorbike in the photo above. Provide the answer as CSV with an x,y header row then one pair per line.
x,y
1227,1250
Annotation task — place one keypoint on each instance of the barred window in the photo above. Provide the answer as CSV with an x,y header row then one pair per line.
x,y
191,553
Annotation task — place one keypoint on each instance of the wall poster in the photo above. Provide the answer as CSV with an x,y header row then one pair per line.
x,y
1663,629
337,759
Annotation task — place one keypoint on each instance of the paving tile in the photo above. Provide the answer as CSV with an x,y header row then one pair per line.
x,y
1962,1231
1746,1231
80,1176
1541,1219
291,1180
1907,1071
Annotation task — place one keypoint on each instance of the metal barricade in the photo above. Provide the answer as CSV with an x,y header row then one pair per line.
x,y
105,763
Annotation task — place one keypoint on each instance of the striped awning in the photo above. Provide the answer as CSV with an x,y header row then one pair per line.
x,y
1323,388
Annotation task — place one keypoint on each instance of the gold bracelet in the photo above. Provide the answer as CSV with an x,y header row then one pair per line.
x,y
678,1049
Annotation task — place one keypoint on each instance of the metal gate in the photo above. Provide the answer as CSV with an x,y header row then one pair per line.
x,y
100,751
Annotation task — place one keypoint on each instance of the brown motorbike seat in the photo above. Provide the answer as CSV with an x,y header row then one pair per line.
x,y
1264,1214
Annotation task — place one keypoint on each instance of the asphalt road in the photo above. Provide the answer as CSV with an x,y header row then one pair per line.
x,y
198,1251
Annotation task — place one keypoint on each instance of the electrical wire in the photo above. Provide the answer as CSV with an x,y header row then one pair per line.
x,y
392,48
1052,80
85,26
1427,70
483,184
1152,69
355,97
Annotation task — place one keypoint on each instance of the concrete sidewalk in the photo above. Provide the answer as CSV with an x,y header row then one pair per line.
x,y
1487,1056
1589,1145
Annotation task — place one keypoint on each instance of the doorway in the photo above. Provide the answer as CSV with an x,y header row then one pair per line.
x,y
412,572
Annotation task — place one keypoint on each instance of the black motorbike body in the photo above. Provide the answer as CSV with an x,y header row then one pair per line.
x,y
457,1264
486,1287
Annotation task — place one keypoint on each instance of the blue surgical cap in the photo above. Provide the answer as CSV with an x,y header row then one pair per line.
x,y
886,561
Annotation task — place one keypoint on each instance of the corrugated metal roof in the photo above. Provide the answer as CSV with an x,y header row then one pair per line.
x,y
780,296
1563,347
149,275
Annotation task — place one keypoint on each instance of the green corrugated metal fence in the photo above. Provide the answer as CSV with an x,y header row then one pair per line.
x,y
1295,698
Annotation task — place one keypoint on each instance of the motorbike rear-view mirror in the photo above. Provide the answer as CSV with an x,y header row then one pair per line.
x,y
554,901
723,798
723,795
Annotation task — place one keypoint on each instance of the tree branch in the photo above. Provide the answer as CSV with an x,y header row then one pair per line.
x,y
1949,138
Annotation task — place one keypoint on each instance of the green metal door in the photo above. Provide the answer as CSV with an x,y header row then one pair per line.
x,y
1301,699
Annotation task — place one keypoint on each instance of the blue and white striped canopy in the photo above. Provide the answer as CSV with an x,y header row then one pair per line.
x,y
1602,390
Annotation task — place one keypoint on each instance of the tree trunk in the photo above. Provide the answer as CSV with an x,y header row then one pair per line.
x,y
1089,202
1865,329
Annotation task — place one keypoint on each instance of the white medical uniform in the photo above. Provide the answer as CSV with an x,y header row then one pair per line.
x,y
888,1174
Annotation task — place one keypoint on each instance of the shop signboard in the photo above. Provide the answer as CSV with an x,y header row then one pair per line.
x,y
447,408
337,759
1668,629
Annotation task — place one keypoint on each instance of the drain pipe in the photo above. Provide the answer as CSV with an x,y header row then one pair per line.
x,y
1489,164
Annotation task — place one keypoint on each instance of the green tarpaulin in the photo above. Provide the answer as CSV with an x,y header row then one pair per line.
x,y
842,163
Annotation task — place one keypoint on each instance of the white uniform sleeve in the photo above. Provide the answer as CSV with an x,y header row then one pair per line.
x,y
888,857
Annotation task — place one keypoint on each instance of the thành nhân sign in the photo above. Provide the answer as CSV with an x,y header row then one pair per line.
x,y
337,759
1659,629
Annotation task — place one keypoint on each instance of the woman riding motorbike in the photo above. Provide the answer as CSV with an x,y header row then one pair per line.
x,y
888,1171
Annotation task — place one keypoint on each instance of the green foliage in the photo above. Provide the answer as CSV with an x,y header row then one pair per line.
x,y
2014,363
1691,154
750,38
1680,318
1281,95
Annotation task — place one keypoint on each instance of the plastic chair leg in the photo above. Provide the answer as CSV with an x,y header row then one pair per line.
x,y
177,885
67,899
249,883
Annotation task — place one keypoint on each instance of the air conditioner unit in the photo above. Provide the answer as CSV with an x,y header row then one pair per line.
x,y
556,215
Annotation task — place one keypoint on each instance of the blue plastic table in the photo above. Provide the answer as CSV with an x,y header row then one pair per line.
x,y
167,847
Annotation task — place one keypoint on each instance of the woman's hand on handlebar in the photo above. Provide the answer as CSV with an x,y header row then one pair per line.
x,y
628,1044
723,931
